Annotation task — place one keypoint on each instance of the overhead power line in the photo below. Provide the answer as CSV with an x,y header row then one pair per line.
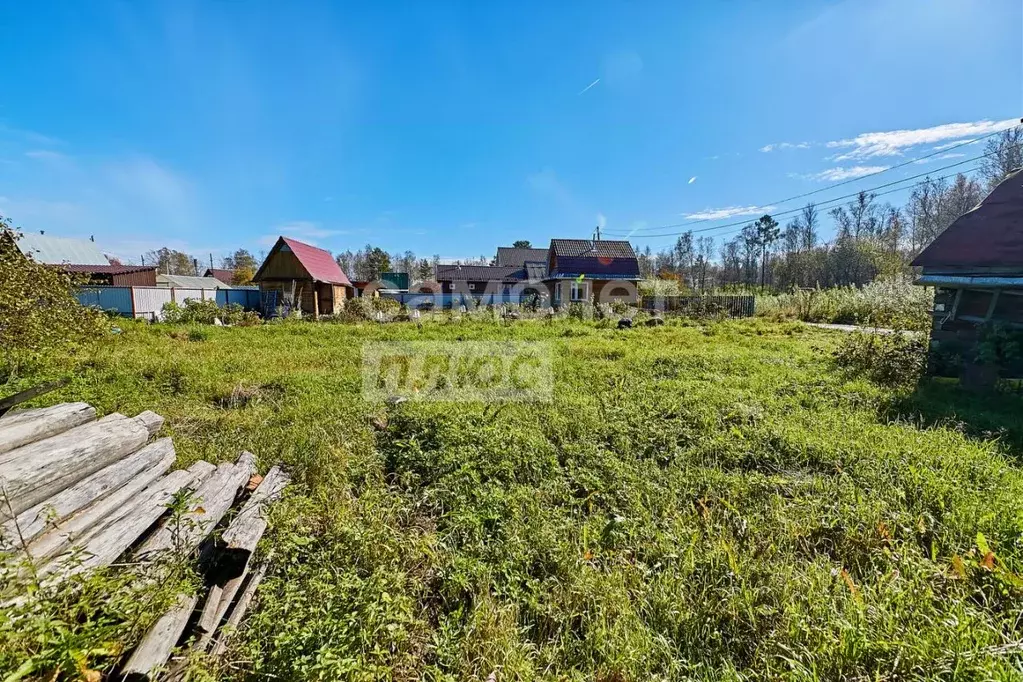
x,y
831,201
697,221
795,210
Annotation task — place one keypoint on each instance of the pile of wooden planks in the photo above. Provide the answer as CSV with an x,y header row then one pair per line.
x,y
77,493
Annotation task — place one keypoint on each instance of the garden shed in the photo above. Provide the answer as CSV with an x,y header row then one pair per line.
x,y
300,276
976,267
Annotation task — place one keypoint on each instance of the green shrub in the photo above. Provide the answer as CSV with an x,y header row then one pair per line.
x,y
41,320
196,311
896,359
894,302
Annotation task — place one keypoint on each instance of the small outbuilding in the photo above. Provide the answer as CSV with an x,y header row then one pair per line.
x,y
976,267
303,277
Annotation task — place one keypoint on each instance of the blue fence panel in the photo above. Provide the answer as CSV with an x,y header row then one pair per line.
x,y
246,298
107,298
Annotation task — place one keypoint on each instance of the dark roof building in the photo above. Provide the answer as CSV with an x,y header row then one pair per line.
x,y
976,267
601,271
225,276
516,257
480,273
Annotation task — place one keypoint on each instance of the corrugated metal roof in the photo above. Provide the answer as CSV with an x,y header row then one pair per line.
x,y
56,250
991,235
585,248
511,256
318,262
105,269
191,282
479,273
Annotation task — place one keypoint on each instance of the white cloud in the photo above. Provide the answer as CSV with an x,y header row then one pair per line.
x,y
893,142
692,180
940,157
589,86
784,145
727,212
840,173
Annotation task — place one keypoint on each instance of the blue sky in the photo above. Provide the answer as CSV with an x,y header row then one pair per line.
x,y
452,128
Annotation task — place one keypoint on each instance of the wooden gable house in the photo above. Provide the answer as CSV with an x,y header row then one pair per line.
x,y
303,277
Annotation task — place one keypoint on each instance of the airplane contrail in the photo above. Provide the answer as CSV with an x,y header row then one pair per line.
x,y
589,86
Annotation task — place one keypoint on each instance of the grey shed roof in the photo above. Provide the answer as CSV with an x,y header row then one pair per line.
x,y
190,282
59,250
511,256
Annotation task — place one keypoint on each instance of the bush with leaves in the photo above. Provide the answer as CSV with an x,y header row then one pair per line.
x,y
41,320
896,359
892,302
195,311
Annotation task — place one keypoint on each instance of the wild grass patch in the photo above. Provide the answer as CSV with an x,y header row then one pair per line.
x,y
697,502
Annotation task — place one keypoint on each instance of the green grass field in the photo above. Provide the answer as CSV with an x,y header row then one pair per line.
x,y
710,502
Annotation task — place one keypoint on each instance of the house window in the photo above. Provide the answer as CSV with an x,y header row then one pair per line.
x,y
579,291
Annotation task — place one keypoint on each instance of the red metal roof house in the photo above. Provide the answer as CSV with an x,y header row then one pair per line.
x,y
303,277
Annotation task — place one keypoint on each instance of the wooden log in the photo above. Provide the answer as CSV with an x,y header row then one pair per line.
x,y
28,426
210,502
151,420
152,654
34,392
238,612
97,515
34,472
242,536
154,459
104,544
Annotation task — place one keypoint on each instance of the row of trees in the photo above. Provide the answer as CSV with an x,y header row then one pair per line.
x,y
173,262
871,238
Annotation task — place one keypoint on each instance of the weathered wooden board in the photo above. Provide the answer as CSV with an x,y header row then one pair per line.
x,y
238,612
28,426
96,516
210,502
242,536
102,545
34,472
154,459
152,654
